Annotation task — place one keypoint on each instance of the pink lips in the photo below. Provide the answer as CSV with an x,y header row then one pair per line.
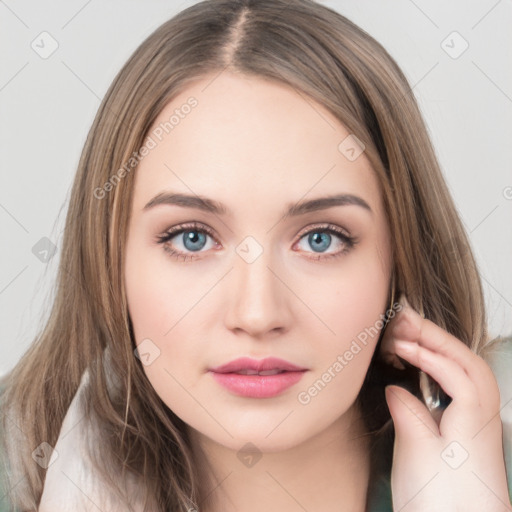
x,y
257,386
246,363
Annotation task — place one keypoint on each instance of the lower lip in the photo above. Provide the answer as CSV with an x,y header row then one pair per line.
x,y
258,386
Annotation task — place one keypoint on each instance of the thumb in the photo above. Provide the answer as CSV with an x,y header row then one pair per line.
x,y
411,418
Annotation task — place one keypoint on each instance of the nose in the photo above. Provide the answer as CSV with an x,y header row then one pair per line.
x,y
258,304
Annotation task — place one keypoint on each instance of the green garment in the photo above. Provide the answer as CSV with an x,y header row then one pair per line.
x,y
500,360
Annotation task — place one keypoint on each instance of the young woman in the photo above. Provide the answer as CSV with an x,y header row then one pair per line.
x,y
256,205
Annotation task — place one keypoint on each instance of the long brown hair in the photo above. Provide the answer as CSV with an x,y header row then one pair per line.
x,y
323,56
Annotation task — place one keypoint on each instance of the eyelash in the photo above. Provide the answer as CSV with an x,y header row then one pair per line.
x,y
348,241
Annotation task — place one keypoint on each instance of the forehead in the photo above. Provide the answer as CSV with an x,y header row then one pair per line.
x,y
245,138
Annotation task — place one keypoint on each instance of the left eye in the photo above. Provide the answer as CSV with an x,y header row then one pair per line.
x,y
321,239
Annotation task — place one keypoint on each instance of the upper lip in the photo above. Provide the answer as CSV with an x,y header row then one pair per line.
x,y
246,363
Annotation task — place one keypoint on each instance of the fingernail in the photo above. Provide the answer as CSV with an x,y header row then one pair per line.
x,y
406,306
405,303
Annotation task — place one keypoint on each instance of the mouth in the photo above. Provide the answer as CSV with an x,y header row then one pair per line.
x,y
253,378
263,367
264,384
247,371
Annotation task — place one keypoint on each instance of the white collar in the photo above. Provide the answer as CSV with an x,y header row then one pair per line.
x,y
71,481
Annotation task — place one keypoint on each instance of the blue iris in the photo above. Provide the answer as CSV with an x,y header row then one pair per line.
x,y
193,237
316,237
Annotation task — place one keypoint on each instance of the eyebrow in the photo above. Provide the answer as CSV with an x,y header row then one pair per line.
x,y
211,206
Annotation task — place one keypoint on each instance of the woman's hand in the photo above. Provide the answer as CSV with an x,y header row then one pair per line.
x,y
455,463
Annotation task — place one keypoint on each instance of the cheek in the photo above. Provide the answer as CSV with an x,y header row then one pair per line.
x,y
165,304
363,299
351,298
158,311
343,356
148,300
351,303
158,295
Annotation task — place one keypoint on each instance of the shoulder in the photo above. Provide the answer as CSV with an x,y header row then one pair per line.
x,y
5,503
498,355
68,455
72,476
69,467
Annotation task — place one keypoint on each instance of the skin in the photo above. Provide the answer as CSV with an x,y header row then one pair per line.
x,y
258,146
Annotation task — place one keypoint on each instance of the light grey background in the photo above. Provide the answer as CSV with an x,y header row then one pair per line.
x,y
47,106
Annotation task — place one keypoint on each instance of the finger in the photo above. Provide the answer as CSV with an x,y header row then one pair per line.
x,y
411,326
447,372
411,419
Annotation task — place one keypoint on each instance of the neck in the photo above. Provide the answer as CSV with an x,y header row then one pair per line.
x,y
328,472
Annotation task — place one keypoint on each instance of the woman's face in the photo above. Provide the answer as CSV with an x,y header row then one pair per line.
x,y
256,272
